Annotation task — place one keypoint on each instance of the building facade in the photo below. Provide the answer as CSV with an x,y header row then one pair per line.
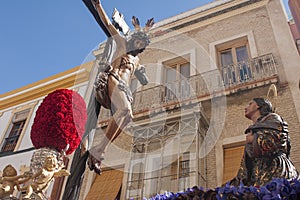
x,y
295,22
204,66
295,34
17,112
295,11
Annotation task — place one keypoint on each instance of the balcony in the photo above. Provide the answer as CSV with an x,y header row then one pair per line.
x,y
229,79
244,75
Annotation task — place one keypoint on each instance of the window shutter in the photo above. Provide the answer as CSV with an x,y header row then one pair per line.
x,y
232,161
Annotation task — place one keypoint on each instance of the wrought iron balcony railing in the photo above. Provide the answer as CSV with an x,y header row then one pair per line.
x,y
203,85
245,71
206,83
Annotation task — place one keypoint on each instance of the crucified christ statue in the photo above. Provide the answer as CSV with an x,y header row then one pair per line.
x,y
111,90
112,85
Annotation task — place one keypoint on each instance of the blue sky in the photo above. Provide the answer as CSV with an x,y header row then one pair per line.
x,y
42,38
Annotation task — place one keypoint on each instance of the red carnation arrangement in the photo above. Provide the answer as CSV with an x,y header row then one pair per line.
x,y
59,121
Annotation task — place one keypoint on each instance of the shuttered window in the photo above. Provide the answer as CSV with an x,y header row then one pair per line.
x,y
14,131
232,161
106,186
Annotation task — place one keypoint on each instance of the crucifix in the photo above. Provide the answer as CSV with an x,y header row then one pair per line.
x,y
118,64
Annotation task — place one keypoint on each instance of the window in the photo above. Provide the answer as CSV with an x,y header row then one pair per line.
x,y
184,167
14,131
163,157
234,61
232,161
106,186
177,74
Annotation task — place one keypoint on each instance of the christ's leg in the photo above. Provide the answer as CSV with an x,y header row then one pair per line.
x,y
121,117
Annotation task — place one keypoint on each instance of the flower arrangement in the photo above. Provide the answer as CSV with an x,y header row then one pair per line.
x,y
59,121
277,189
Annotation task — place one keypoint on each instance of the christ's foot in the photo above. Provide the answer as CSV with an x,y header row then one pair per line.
x,y
95,164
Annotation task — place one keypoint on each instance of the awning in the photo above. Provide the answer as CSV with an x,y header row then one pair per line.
x,y
106,186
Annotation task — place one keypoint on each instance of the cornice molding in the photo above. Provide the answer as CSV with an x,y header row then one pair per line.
x,y
204,18
226,8
43,87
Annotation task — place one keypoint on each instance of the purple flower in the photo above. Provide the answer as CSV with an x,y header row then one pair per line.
x,y
277,189
264,193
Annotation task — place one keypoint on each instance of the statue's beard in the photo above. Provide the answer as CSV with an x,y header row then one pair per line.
x,y
135,52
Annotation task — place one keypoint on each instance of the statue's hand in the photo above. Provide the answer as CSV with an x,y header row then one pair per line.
x,y
140,74
249,137
62,172
27,174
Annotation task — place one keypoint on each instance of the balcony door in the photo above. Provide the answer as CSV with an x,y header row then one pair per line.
x,y
234,61
177,74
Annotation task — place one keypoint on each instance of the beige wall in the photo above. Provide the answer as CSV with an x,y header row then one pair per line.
x,y
236,123
264,25
268,32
